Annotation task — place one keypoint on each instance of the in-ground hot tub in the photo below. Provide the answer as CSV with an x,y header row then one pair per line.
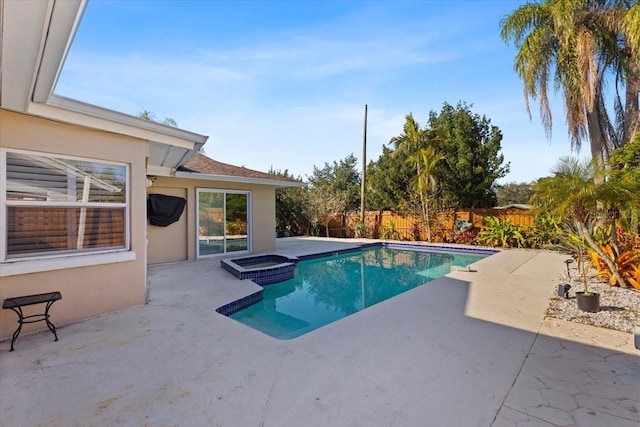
x,y
262,269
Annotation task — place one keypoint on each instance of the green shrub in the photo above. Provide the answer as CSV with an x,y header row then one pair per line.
x,y
545,233
390,232
499,232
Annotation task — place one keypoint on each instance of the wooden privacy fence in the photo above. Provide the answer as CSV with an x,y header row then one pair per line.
x,y
395,226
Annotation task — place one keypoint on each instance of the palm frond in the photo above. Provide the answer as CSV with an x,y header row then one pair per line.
x,y
631,29
580,44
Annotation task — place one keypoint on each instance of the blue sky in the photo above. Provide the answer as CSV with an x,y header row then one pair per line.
x,y
284,84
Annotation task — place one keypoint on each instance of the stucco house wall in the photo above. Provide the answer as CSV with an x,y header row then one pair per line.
x,y
169,244
90,284
166,243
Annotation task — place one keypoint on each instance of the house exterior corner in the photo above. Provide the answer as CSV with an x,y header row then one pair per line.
x,y
92,281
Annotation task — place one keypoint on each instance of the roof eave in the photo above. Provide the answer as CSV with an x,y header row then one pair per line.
x,y
113,116
169,146
238,179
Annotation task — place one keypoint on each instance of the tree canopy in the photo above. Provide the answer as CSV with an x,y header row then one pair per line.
x,y
340,176
472,162
454,161
334,189
290,202
514,192
389,181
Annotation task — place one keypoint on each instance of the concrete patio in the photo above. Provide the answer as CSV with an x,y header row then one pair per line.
x,y
469,349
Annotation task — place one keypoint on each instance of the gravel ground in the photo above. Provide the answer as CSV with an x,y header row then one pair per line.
x,y
619,308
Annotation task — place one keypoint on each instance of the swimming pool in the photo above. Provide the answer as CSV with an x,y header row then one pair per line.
x,y
332,287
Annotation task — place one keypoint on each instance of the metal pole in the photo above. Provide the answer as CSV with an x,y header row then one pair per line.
x,y
364,166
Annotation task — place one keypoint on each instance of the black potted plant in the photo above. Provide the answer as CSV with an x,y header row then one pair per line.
x,y
587,301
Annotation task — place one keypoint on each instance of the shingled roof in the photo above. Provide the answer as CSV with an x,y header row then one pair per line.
x,y
206,165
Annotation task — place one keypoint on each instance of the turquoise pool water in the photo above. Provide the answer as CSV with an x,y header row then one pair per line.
x,y
329,288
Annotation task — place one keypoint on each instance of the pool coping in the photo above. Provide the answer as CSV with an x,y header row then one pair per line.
x,y
401,245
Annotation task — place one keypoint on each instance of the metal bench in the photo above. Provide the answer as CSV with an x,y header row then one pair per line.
x,y
17,303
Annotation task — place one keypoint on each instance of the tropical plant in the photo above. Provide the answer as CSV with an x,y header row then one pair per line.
x,y
634,279
624,168
467,236
360,230
390,231
572,192
544,233
626,261
631,27
573,241
499,232
581,45
626,264
412,143
427,159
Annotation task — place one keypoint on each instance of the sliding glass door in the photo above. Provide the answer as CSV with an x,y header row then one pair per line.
x,y
223,221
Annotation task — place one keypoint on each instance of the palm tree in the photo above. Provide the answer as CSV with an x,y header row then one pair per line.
x,y
150,116
426,159
573,192
412,138
147,115
577,44
618,23
411,142
631,27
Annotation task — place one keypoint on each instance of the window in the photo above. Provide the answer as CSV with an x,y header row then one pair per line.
x,y
223,221
59,205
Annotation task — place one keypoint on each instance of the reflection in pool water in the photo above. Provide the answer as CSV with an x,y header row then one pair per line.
x,y
330,288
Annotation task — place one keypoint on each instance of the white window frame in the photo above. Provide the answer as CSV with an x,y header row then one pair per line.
x,y
53,261
224,192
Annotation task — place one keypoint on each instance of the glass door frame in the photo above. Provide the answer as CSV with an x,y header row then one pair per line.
x,y
224,193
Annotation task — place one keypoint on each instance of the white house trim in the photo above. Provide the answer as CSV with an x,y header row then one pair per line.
x,y
64,21
64,262
240,179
